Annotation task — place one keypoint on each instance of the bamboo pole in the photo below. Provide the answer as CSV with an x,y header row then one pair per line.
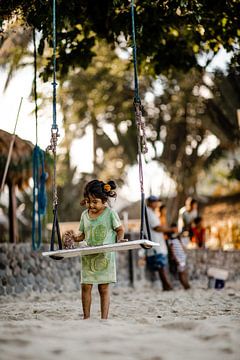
x,y
10,149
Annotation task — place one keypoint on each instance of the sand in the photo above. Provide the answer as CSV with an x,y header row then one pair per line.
x,y
146,323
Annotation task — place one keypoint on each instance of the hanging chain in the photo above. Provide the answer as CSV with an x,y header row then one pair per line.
x,y
140,122
35,84
141,126
53,148
54,131
138,108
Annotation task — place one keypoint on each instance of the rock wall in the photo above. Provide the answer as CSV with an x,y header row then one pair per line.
x,y
200,260
22,270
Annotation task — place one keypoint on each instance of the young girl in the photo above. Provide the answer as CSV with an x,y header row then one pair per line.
x,y
179,256
98,225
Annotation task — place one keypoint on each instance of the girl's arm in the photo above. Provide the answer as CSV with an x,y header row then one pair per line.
x,y
165,229
69,238
120,234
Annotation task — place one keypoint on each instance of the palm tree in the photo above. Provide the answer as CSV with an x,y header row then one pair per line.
x,y
14,51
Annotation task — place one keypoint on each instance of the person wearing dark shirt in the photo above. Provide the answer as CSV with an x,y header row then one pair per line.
x,y
199,232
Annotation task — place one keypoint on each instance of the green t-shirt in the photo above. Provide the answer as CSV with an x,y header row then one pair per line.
x,y
99,268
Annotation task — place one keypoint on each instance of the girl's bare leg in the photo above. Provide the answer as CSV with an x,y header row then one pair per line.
x,y
86,300
104,299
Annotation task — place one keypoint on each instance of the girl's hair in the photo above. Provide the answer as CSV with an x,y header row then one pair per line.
x,y
100,190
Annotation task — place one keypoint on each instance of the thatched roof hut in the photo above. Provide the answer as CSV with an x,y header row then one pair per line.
x,y
20,168
19,173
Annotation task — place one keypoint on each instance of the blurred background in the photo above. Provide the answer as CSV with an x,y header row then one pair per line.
x,y
188,62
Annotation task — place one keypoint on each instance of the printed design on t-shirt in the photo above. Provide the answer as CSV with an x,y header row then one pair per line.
x,y
95,262
99,262
99,234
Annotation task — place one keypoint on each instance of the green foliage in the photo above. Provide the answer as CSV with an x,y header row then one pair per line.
x,y
95,87
169,34
235,173
223,106
222,177
14,50
184,117
101,97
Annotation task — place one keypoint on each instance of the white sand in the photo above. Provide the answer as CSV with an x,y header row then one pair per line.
x,y
144,324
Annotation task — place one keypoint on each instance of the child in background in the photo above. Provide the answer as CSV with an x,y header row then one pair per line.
x,y
199,232
98,225
157,258
178,254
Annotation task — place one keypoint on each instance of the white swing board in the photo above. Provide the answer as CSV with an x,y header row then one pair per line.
x,y
128,245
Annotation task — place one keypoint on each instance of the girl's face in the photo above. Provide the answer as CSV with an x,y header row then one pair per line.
x,y
95,204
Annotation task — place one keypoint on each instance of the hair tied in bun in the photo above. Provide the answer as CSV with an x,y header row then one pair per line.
x,y
107,187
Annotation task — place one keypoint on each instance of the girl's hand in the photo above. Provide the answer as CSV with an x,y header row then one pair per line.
x,y
120,234
69,233
121,240
68,240
79,237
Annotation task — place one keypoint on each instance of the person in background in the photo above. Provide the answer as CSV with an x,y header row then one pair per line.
x,y
187,214
179,256
157,258
181,212
190,214
163,215
199,232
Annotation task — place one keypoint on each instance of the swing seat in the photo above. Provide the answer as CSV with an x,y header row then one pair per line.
x,y
88,250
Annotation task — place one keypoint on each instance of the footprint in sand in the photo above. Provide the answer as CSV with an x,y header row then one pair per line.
x,y
57,351
212,337
227,351
18,342
208,337
187,326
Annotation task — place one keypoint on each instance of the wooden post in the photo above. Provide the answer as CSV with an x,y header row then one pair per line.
x,y
12,215
130,262
131,268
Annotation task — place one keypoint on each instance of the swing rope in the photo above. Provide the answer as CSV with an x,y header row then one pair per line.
x,y
35,84
141,138
39,181
53,145
141,130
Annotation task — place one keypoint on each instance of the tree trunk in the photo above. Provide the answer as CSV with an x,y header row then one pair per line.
x,y
13,225
94,127
174,205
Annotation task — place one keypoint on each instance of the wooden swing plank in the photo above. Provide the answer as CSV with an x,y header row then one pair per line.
x,y
88,250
